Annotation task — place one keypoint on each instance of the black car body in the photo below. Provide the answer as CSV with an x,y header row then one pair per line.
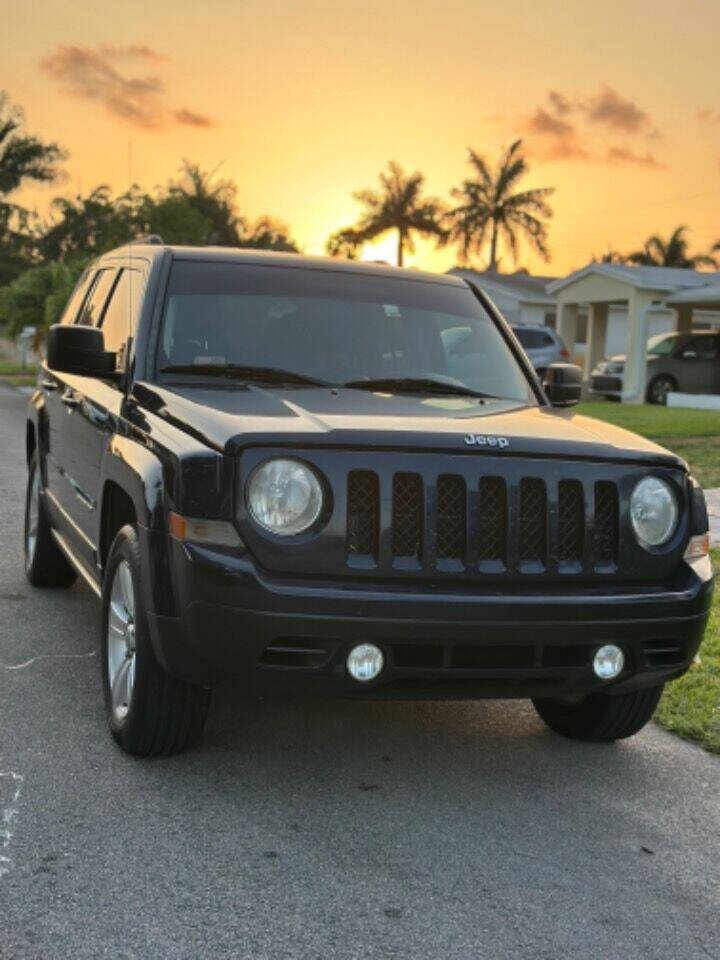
x,y
484,545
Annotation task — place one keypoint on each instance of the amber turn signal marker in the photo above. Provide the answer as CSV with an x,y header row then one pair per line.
x,y
698,547
198,530
177,526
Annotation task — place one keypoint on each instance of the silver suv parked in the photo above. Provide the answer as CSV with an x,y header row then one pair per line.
x,y
542,345
688,362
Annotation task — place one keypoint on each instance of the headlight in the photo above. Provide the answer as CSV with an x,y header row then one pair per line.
x,y
653,511
284,496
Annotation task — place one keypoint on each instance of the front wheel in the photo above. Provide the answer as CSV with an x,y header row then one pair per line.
x,y
149,712
599,716
659,389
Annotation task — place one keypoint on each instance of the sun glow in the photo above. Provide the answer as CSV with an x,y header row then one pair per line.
x,y
384,248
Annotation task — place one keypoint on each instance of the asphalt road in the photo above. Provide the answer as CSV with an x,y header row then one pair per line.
x,y
328,830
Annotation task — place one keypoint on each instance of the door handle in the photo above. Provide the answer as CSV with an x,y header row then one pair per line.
x,y
48,384
70,400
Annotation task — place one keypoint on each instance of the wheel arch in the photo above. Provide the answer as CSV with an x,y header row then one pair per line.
x,y
132,491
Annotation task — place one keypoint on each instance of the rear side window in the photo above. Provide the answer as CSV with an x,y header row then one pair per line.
x,y
533,339
95,301
121,314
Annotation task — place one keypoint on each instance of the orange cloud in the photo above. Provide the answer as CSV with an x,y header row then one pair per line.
x,y
613,110
562,129
91,74
711,117
624,155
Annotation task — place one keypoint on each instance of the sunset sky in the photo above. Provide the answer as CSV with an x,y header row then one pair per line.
x,y
304,101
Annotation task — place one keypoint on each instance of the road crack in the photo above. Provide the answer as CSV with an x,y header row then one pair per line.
x,y
46,656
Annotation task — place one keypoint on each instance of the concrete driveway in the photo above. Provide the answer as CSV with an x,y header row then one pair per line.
x,y
329,830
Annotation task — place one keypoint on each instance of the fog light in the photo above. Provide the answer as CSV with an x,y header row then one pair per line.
x,y
365,661
608,662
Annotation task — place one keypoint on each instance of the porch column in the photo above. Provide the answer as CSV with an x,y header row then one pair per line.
x,y
596,336
566,325
684,316
636,346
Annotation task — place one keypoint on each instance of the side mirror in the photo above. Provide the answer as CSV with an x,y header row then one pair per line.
x,y
80,350
563,384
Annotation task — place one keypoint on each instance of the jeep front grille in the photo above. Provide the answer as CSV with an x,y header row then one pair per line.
x,y
462,521
457,526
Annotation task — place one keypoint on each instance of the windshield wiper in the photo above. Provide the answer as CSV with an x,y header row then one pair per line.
x,y
422,385
244,372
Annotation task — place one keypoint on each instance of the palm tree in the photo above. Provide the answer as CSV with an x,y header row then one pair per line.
x,y
672,252
23,157
397,205
487,205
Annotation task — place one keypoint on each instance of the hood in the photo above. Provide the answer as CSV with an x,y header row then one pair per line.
x,y
620,358
229,419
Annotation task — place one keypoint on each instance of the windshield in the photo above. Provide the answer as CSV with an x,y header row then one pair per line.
x,y
332,327
662,344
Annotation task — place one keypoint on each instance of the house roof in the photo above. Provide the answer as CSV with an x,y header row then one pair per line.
x,y
708,295
664,279
523,286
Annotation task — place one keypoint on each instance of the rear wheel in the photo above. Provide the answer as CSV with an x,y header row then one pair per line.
x,y
599,716
659,388
149,712
45,564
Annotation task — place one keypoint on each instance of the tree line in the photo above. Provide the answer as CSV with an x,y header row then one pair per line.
x,y
486,217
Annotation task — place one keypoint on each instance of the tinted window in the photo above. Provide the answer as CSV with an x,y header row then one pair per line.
x,y
76,298
533,339
120,317
704,348
93,307
334,326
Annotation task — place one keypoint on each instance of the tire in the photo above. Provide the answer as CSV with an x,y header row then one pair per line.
x,y
45,563
149,712
658,389
599,716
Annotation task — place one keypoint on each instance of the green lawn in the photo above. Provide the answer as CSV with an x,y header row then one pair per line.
x,y
11,372
693,434
690,706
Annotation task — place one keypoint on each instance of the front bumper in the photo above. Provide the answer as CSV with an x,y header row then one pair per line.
x,y
606,384
236,626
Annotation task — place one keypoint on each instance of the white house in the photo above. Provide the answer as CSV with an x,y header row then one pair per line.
x,y
636,301
607,308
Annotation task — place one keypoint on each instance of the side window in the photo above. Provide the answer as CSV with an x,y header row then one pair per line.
x,y
704,348
95,301
121,314
76,298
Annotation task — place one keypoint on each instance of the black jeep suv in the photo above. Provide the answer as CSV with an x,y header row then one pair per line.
x,y
322,478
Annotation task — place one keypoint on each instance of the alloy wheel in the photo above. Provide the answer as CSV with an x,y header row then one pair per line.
x,y
121,641
33,518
